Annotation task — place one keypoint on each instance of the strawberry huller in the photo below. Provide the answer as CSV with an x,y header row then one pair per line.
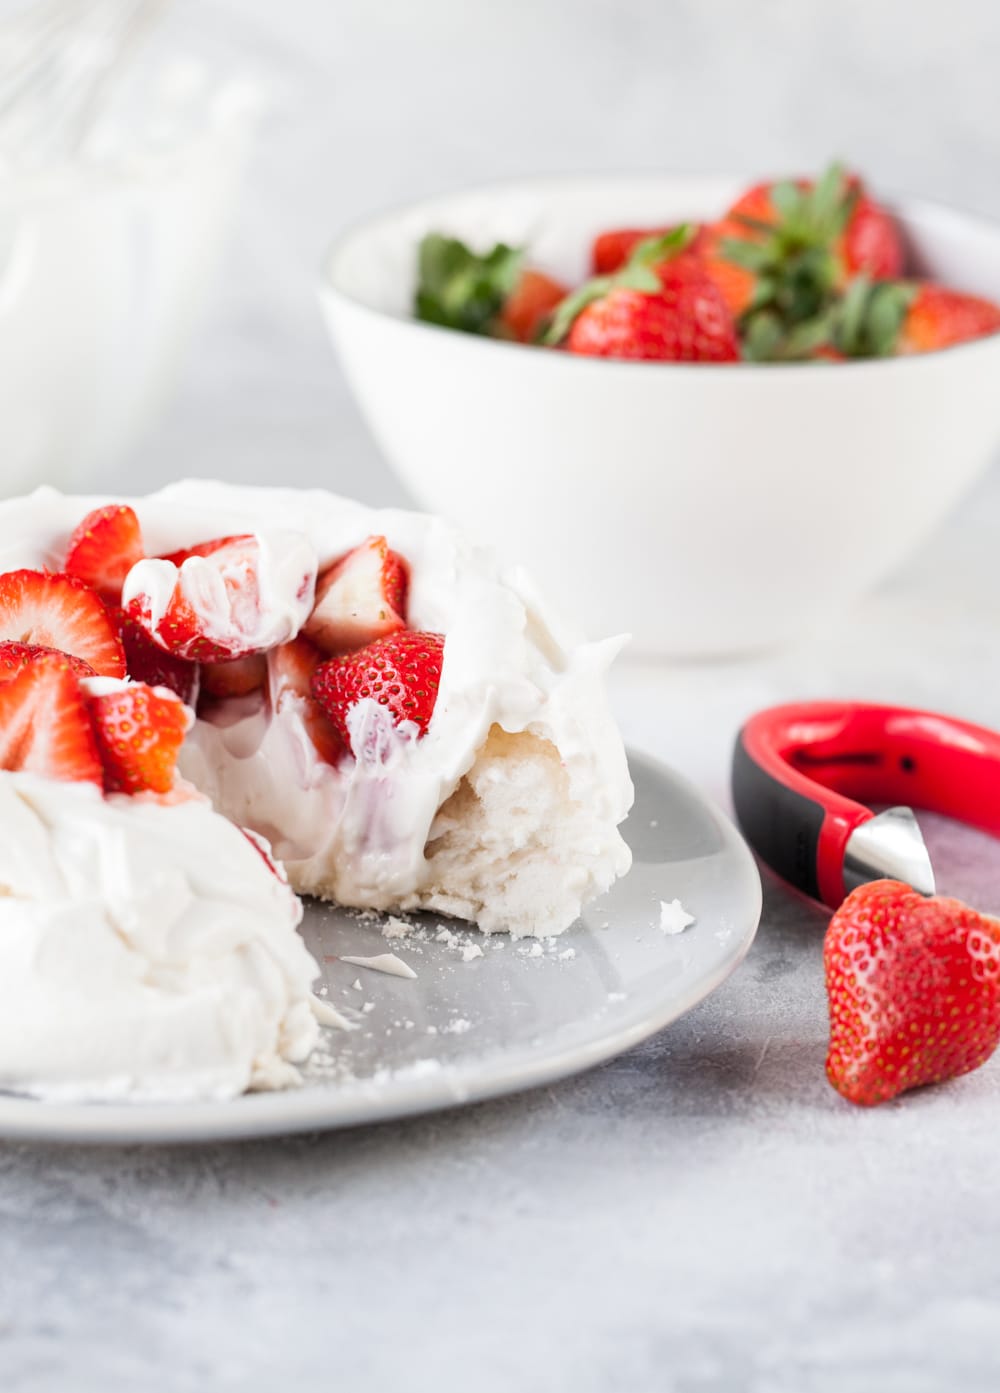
x,y
804,777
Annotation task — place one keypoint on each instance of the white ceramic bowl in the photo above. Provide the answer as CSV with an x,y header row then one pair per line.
x,y
104,265
707,509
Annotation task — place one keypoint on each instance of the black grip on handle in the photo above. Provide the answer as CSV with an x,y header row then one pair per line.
x,y
781,825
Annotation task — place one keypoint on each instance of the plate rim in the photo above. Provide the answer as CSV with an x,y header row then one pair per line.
x,y
281,1113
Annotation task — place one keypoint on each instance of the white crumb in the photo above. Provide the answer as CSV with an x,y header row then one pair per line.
x,y
368,1006
456,1027
395,928
566,954
356,984
328,1015
444,935
384,962
470,951
653,822
674,918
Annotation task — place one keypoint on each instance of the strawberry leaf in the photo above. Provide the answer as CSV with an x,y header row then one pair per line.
x,y
788,200
567,310
870,317
462,289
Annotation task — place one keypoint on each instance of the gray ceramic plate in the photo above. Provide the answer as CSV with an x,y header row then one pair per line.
x,y
471,1027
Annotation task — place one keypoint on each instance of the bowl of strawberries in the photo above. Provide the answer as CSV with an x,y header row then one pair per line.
x,y
710,414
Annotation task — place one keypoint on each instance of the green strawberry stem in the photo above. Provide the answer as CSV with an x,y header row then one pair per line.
x,y
636,274
462,289
795,267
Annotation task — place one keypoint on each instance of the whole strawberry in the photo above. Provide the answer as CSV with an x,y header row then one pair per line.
x,y
914,991
885,318
661,305
786,248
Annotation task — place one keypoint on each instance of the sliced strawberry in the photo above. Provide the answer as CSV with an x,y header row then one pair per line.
x,y
290,671
139,731
58,611
15,656
148,662
225,598
402,672
238,678
44,725
104,548
359,598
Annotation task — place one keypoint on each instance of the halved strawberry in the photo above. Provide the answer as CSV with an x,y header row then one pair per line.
x,y
359,598
59,611
104,548
44,725
16,656
290,668
238,678
224,598
402,672
148,662
139,731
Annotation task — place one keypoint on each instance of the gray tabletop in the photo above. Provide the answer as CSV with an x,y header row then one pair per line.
x,y
704,1213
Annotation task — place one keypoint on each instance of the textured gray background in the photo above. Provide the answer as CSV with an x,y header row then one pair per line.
x,y
703,1214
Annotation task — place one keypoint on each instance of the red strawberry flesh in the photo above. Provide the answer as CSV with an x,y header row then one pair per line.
x,y
687,321
401,672
290,672
147,662
940,318
914,991
104,548
139,732
16,656
61,612
45,728
612,249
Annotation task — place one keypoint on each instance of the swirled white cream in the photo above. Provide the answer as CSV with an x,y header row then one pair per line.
x,y
147,950
505,813
255,599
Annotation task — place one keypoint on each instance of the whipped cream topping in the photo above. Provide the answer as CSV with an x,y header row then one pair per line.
x,y
247,596
358,832
148,951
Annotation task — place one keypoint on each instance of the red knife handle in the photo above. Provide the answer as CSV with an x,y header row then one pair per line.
x,y
804,774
